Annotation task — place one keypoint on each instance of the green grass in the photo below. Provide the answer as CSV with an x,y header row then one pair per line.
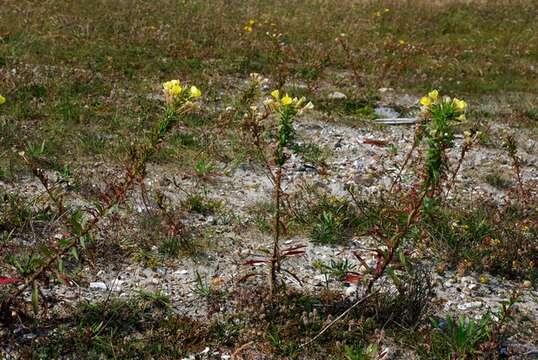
x,y
87,72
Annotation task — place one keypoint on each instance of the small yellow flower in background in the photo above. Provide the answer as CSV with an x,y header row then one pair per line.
x,y
426,101
195,92
248,27
402,42
460,105
434,95
461,118
286,100
483,279
377,13
2,100
275,94
386,10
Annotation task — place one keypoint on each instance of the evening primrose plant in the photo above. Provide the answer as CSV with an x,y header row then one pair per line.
x,y
272,139
84,221
441,114
286,108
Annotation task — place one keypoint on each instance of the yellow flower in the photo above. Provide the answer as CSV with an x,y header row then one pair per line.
x,y
275,94
461,118
426,101
2,100
195,92
434,95
286,100
249,25
377,14
460,105
387,10
402,42
172,88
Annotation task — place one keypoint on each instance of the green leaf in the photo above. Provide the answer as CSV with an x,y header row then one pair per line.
x,y
74,252
403,260
76,222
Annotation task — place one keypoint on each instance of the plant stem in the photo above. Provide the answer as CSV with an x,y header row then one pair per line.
x,y
275,259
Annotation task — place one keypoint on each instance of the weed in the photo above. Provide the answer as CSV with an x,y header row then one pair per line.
x,y
333,219
337,269
498,180
172,246
371,352
203,167
202,287
147,258
329,229
460,338
202,204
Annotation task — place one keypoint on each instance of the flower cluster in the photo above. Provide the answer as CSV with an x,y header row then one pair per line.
x,y
433,102
287,103
175,94
249,25
2,100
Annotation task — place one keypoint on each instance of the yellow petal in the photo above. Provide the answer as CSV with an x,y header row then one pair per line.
x,y
425,101
195,92
434,95
170,84
275,94
460,105
2,100
286,100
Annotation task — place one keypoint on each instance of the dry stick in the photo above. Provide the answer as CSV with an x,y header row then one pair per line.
x,y
275,260
516,163
396,240
349,58
43,179
464,150
416,140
